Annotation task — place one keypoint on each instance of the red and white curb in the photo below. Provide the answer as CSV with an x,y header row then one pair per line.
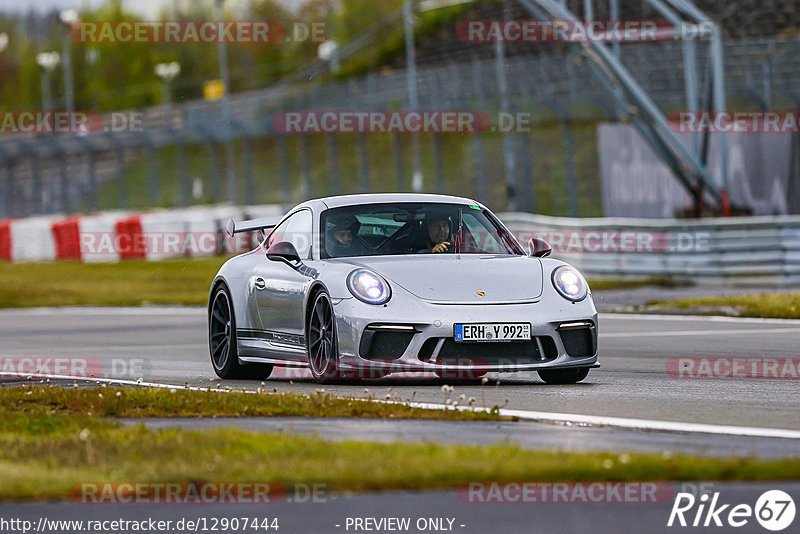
x,y
116,236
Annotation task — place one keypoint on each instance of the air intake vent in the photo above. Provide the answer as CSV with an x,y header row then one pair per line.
x,y
384,344
578,341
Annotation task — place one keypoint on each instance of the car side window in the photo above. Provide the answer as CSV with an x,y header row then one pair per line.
x,y
297,231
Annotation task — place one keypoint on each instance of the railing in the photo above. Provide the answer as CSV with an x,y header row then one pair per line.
x,y
719,250
764,250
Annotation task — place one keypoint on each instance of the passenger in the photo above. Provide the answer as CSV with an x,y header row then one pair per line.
x,y
341,239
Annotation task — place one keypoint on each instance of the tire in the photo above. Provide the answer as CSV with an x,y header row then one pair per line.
x,y
222,341
564,376
322,342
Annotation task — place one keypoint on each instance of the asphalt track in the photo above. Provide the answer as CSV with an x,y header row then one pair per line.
x,y
331,512
169,345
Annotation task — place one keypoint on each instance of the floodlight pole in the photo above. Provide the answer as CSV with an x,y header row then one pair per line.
x,y
68,18
224,75
413,96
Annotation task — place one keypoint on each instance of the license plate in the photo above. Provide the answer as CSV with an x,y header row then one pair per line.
x,y
492,332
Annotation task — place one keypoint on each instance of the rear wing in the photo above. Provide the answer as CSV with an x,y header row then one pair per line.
x,y
253,225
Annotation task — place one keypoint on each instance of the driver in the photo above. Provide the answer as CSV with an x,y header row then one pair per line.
x,y
340,239
438,230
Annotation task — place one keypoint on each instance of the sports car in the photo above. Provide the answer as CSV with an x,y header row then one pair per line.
x,y
362,286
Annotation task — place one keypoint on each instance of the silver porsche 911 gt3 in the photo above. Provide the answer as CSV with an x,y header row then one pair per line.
x,y
363,286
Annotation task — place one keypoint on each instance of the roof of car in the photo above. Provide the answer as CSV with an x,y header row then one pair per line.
x,y
380,198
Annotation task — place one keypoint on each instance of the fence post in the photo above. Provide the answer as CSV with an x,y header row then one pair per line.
x,y
66,197
152,177
305,165
363,162
525,182
569,154
480,160
92,182
333,162
7,191
283,161
398,162
216,171
122,183
38,198
438,163
247,155
508,142
183,185
250,183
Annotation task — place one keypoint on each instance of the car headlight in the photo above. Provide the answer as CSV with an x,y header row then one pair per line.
x,y
570,284
369,287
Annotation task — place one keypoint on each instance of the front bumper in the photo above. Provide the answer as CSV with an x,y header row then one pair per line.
x,y
424,336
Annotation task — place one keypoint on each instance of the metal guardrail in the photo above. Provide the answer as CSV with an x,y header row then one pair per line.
x,y
710,251
763,250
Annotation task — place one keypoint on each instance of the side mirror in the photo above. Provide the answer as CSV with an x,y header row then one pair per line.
x,y
538,247
285,252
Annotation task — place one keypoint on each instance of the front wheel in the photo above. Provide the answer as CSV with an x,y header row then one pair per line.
x,y
222,342
321,341
564,376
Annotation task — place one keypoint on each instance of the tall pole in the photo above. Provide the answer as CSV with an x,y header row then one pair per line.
x,y
505,108
47,61
413,96
68,17
230,163
167,72
3,41
719,100
47,97
68,82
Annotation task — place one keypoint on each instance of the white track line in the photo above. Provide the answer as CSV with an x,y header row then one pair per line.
x,y
682,333
695,318
16,353
590,420
78,311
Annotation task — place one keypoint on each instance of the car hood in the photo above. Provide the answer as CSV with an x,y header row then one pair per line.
x,y
461,278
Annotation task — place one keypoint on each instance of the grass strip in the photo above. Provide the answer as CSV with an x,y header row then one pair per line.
x,y
766,305
183,282
50,444
44,404
179,282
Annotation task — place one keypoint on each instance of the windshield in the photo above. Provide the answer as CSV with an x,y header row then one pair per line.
x,y
413,228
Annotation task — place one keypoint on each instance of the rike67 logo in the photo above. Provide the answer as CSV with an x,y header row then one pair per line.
x,y
774,510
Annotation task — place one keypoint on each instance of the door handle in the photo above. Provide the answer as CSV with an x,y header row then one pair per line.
x,y
260,283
